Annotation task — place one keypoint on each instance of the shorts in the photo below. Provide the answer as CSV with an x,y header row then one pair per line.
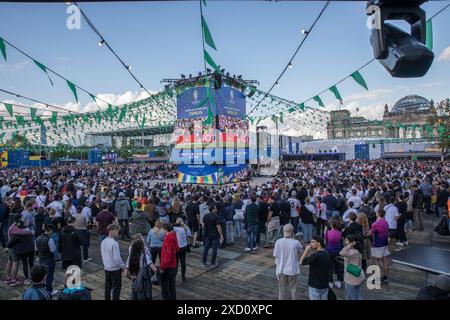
x,y
12,256
193,226
392,233
380,252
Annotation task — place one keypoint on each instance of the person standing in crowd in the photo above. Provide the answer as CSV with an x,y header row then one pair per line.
x,y
441,200
368,210
155,239
204,210
272,224
46,248
37,290
81,228
251,221
354,274
183,235
332,204
417,205
307,212
229,214
70,245
168,264
213,235
409,211
287,252
103,220
320,267
22,245
402,207
193,218
391,217
139,257
4,217
295,209
239,214
123,209
140,223
427,190
333,240
380,250
112,262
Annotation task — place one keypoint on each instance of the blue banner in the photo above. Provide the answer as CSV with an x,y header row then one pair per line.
x,y
230,102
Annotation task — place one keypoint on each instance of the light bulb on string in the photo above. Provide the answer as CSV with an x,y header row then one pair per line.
x,y
290,66
101,43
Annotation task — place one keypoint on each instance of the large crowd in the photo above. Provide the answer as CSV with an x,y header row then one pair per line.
x,y
335,216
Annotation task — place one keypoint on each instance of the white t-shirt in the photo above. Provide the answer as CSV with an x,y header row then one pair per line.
x,y
391,214
356,201
40,200
294,205
347,213
57,206
287,256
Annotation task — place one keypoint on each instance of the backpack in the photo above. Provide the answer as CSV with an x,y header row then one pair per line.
x,y
285,212
442,227
142,286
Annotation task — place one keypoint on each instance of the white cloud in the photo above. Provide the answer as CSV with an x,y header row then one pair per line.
x,y
432,84
62,59
14,67
445,55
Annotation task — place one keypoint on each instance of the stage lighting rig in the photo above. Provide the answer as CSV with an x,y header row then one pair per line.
x,y
403,54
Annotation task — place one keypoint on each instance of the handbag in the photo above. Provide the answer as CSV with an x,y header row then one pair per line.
x,y
354,270
273,224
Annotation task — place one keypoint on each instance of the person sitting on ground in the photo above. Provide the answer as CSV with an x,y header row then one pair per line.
x,y
37,290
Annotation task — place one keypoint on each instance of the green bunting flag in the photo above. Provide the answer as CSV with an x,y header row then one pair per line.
x,y
20,120
3,47
359,79
301,106
122,114
260,119
319,101
54,118
204,2
33,113
38,121
336,93
43,68
274,119
207,34
210,120
73,89
210,61
429,34
290,110
281,117
9,108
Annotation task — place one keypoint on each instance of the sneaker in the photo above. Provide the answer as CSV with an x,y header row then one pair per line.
x,y
338,284
7,280
55,292
5,250
400,244
214,265
255,248
87,260
27,281
330,284
247,249
204,265
406,243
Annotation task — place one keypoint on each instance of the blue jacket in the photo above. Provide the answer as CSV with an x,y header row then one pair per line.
x,y
155,240
37,292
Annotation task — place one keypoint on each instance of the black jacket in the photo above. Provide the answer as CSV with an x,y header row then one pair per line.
x,y
69,244
21,244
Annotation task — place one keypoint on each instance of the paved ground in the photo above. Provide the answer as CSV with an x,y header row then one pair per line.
x,y
243,276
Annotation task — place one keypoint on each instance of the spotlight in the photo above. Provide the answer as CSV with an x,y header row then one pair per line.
x,y
183,76
240,76
404,55
200,73
290,65
101,43
228,74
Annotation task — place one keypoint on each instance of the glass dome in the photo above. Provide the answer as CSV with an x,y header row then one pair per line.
x,y
411,104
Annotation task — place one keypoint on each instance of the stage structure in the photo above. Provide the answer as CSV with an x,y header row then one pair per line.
x,y
211,132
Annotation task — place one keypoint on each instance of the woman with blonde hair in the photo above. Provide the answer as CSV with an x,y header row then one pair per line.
x,y
155,240
183,237
176,209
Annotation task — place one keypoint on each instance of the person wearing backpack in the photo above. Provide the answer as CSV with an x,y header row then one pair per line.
x,y
284,209
37,290
368,210
139,260
306,220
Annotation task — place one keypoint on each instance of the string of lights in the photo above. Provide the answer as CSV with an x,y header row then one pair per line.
x,y
290,65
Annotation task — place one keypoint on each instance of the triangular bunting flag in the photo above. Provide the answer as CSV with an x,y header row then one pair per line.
x,y
9,108
359,79
336,93
43,68
429,34
207,34
73,89
210,61
319,101
3,48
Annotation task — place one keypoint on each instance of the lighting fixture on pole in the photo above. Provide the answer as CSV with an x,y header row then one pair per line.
x,y
101,43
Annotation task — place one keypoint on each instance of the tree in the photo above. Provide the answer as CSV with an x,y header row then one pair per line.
x,y
440,120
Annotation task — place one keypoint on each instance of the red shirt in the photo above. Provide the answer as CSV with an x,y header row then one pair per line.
x,y
169,251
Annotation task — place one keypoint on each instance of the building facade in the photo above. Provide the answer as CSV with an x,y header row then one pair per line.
x,y
407,120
